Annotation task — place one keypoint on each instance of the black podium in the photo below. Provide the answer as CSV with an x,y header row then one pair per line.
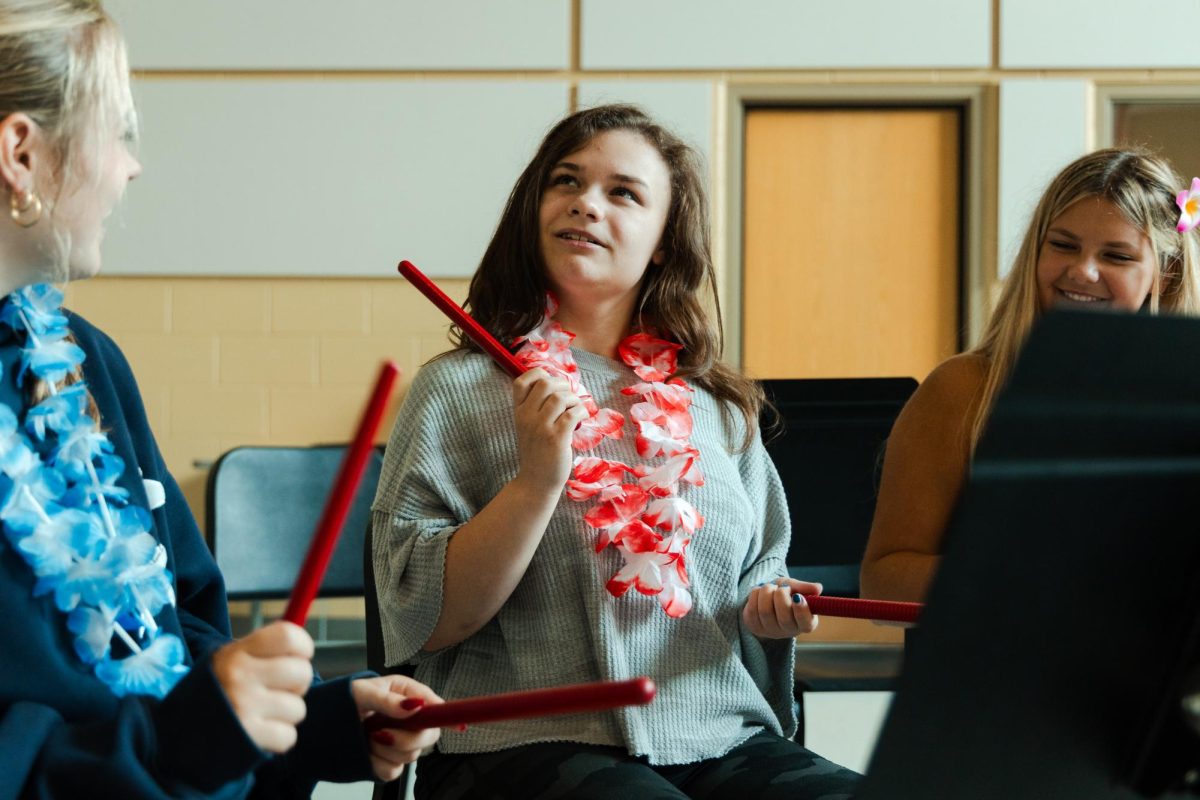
x,y
1063,623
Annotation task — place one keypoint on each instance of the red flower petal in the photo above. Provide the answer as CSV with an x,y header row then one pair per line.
x,y
671,514
651,358
593,475
676,600
663,480
605,423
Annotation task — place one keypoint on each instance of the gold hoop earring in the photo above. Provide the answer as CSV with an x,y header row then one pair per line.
x,y
20,204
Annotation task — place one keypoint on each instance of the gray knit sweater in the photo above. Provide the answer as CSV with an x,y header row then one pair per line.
x,y
452,450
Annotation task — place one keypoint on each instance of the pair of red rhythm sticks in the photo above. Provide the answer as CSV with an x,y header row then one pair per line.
x,y
560,700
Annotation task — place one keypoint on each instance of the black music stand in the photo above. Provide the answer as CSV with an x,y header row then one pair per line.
x,y
1064,617
828,448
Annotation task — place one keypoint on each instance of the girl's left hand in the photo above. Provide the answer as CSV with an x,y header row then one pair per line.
x,y
396,696
777,610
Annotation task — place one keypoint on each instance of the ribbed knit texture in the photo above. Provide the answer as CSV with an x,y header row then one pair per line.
x,y
452,450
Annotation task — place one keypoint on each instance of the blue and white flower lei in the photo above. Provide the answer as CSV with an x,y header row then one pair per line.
x,y
62,510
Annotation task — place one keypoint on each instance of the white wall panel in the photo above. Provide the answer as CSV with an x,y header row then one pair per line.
x,y
1099,33
324,177
1043,127
348,34
683,106
686,34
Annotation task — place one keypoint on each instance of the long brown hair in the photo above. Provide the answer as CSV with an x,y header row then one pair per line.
x,y
678,297
1143,186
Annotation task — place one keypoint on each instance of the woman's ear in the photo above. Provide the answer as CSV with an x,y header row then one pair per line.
x,y
20,139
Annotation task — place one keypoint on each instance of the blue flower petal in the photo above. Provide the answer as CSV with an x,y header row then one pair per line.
x,y
154,671
50,362
33,490
56,541
94,629
59,412
132,521
39,306
90,581
76,449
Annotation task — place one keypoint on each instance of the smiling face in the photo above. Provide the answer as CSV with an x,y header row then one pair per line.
x,y
1094,258
601,220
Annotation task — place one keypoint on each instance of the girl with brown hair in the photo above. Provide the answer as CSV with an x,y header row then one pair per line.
x,y
492,578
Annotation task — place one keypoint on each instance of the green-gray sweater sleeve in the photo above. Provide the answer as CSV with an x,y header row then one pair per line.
x,y
430,485
770,662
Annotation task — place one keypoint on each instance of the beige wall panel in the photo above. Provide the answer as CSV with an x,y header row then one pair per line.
x,y
1043,126
239,380
348,34
686,107
324,177
685,34
851,242
1098,33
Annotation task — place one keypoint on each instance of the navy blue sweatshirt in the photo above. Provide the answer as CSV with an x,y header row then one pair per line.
x,y
63,734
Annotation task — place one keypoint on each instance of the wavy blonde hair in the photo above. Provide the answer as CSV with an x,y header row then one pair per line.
x,y
1143,186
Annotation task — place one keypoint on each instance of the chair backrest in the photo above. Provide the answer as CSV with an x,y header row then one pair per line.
x,y
828,454
263,506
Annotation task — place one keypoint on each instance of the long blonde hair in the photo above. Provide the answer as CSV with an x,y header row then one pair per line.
x,y
1143,186
63,63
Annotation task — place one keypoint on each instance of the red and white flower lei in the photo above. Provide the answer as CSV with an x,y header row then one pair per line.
x,y
645,520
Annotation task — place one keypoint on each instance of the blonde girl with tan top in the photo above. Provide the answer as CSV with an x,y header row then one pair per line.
x,y
1103,237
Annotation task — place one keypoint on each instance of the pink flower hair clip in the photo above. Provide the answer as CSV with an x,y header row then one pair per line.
x,y
1189,207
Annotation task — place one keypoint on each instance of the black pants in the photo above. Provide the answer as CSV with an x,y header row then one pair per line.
x,y
764,766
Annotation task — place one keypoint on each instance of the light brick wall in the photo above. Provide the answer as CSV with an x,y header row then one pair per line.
x,y
224,362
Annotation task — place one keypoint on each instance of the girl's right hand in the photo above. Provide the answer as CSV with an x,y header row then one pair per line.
x,y
265,676
546,412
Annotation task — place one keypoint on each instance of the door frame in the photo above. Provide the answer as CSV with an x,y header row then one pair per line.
x,y
1109,95
979,163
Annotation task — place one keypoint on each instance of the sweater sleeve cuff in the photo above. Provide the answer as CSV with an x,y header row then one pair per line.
x,y
222,754
764,571
770,662
410,568
332,742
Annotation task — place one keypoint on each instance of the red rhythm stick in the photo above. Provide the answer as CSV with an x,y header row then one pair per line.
x,y
879,610
463,320
573,699
340,496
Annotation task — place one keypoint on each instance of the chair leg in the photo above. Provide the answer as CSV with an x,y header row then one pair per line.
x,y
256,615
400,789
798,704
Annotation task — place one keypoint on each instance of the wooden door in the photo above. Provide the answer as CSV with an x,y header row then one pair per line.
x,y
852,261
852,241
